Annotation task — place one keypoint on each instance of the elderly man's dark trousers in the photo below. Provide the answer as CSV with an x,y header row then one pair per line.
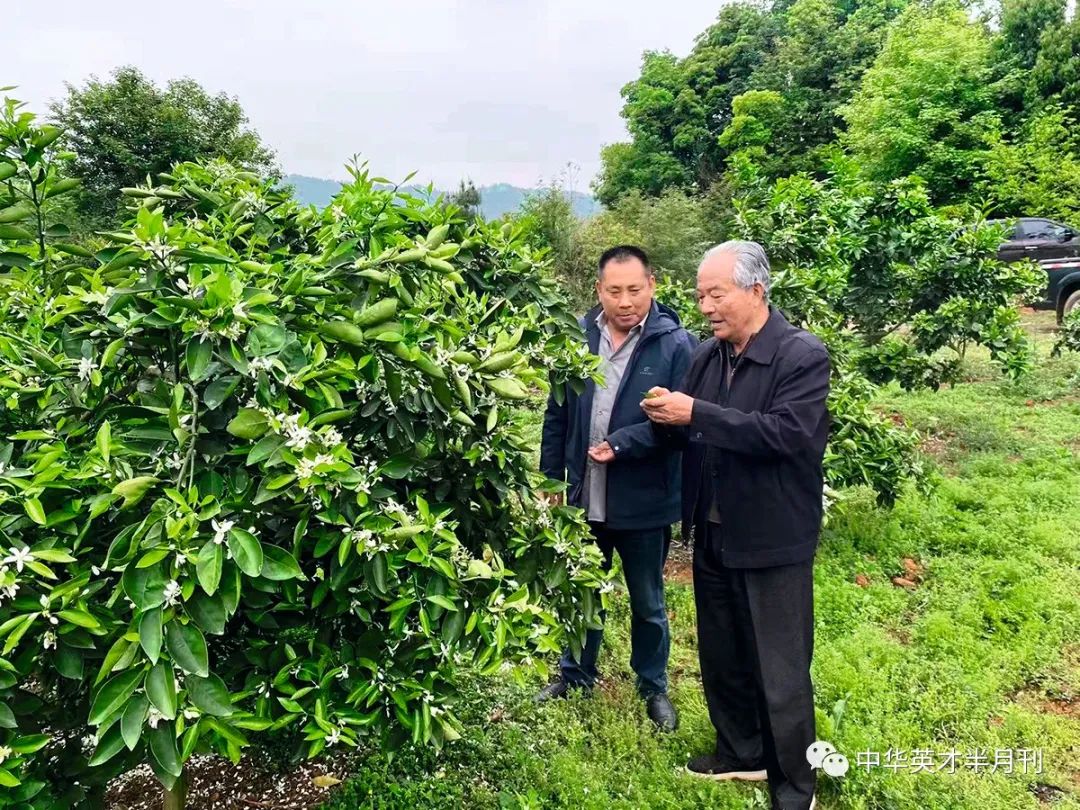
x,y
755,641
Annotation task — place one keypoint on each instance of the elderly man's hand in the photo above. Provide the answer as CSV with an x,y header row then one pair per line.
x,y
665,407
602,453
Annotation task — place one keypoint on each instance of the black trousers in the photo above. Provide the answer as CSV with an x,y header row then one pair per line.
x,y
755,641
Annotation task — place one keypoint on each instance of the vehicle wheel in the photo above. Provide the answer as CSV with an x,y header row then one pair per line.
x,y
1071,303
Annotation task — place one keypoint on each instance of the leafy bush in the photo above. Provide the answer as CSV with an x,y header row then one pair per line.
x,y
905,279
258,472
1068,337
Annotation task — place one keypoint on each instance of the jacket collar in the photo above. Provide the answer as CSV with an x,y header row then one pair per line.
x,y
763,348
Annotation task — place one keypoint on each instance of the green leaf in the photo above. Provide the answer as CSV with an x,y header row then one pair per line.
x,y
110,744
144,586
46,136
246,551
265,448
61,187
161,689
15,213
163,748
209,695
208,612
104,440
7,717
248,424
57,555
442,601
150,633
152,557
133,490
208,566
197,357
14,233
266,339
80,618
278,564
113,694
11,259
30,743
280,481
220,390
187,646
35,510
131,723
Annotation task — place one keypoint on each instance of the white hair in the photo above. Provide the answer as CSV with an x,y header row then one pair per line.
x,y
751,263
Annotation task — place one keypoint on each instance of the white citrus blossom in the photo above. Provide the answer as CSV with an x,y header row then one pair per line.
x,y
18,557
172,592
221,530
299,436
48,641
331,438
258,364
86,367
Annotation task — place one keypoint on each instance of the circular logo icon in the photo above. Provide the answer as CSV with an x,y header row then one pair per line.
x,y
835,764
817,752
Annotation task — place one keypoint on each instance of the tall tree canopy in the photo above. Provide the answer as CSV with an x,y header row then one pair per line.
x,y
126,128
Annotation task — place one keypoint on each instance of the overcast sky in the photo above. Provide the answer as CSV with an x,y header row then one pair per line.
x,y
506,91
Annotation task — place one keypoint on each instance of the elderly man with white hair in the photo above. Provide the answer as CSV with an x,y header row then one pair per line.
x,y
752,419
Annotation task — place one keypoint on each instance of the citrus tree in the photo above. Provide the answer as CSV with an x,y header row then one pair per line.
x,y
260,472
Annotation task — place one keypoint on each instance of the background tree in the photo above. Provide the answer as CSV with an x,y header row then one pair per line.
x,y
927,106
467,198
127,128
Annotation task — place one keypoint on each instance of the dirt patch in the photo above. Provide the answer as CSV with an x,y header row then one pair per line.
x,y
1061,705
214,783
1046,793
902,637
680,565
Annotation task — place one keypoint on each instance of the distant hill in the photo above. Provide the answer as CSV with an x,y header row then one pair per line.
x,y
495,200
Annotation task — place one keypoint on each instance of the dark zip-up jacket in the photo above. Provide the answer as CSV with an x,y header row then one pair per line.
x,y
644,479
757,448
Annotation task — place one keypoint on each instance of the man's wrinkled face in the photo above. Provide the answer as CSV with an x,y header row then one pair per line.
x,y
730,308
625,290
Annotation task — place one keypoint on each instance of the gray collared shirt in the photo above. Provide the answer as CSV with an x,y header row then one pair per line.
x,y
613,366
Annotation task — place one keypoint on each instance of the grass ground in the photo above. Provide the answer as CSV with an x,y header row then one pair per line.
x,y
978,648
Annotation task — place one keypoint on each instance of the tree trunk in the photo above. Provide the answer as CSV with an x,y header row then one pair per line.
x,y
175,799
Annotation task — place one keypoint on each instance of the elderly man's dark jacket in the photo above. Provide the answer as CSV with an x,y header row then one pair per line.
x,y
758,446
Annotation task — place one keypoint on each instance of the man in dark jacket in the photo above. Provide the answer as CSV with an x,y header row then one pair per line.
x,y
753,421
604,446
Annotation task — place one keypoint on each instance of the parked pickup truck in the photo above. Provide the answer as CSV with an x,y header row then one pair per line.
x,y
1056,247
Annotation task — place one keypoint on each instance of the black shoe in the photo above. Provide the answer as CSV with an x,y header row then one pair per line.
x,y
556,690
709,766
661,712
